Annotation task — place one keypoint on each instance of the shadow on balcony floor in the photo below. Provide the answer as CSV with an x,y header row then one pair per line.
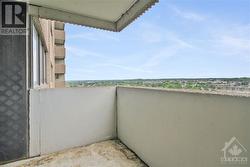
x,y
111,153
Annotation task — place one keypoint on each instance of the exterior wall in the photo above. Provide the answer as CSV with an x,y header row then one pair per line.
x,y
60,54
48,33
167,128
70,117
54,35
13,98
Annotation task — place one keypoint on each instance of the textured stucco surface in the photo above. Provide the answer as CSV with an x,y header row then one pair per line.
x,y
104,154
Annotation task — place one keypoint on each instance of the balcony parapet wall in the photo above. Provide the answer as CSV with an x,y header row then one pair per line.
x,y
176,128
70,117
163,127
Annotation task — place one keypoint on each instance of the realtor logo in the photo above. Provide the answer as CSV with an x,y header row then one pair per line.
x,y
234,152
13,18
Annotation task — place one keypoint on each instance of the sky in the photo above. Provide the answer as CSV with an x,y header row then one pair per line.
x,y
174,39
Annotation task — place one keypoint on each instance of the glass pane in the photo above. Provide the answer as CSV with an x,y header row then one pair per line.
x,y
41,56
35,58
45,66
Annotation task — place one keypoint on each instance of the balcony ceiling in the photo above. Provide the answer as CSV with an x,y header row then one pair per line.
x,y
111,15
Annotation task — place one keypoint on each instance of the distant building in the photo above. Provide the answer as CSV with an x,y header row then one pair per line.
x,y
48,54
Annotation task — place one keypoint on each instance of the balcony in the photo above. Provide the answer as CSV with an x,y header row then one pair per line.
x,y
59,25
59,52
60,69
162,127
60,84
59,37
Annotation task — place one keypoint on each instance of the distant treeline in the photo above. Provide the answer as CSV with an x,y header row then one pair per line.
x,y
240,84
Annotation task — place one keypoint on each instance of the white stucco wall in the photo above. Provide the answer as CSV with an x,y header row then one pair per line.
x,y
70,117
177,129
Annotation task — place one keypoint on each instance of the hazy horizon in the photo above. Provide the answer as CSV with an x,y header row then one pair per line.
x,y
156,79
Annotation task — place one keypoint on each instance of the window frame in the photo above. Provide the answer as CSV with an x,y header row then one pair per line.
x,y
35,58
39,73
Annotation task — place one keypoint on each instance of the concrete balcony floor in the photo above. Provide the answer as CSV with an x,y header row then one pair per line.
x,y
111,153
